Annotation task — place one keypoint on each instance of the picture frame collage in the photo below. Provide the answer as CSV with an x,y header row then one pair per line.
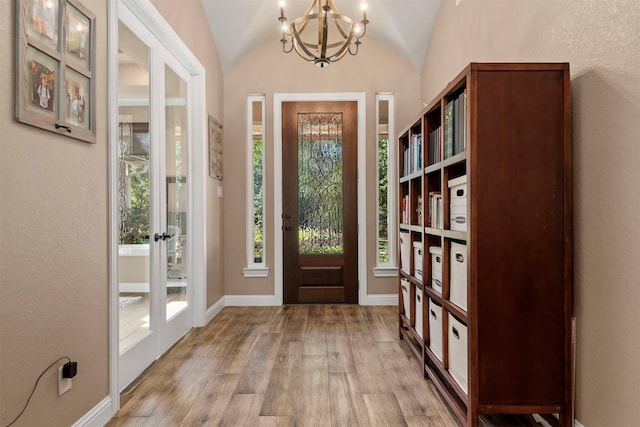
x,y
55,67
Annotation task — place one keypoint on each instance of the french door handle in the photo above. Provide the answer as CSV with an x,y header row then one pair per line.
x,y
163,236
287,228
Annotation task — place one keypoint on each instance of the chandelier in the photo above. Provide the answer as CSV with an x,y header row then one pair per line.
x,y
319,46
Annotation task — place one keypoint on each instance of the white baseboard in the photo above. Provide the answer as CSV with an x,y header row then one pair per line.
x,y
250,300
98,416
380,299
268,300
215,309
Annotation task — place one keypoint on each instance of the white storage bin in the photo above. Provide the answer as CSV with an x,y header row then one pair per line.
x,y
417,260
405,251
419,311
458,204
406,297
435,328
436,268
458,282
458,351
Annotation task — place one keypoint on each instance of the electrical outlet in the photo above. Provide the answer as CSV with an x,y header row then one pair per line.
x,y
64,384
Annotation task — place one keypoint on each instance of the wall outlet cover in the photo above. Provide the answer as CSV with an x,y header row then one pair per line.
x,y
64,384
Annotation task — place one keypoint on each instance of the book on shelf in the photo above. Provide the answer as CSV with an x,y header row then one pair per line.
x,y
419,210
405,210
434,146
455,125
447,143
416,152
435,209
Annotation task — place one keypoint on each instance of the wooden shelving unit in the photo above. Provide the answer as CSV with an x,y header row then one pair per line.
x,y
495,164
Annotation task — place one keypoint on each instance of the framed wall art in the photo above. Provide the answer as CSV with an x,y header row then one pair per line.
x,y
55,61
215,149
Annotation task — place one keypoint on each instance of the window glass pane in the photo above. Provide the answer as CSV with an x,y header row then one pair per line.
x,y
257,141
134,188
255,182
383,181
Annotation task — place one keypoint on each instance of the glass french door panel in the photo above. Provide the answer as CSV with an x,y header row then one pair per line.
x,y
176,138
320,207
134,189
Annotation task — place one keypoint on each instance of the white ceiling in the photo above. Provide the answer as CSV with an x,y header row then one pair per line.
x,y
239,26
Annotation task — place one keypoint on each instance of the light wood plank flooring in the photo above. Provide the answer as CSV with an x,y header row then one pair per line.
x,y
300,365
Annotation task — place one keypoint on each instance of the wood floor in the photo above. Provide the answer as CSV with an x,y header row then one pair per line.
x,y
294,365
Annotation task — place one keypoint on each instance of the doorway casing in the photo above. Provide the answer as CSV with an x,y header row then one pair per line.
x,y
278,258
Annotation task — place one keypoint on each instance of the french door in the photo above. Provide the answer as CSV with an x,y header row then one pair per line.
x,y
320,202
155,295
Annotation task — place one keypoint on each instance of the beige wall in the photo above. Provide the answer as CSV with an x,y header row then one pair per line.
x,y
54,285
601,40
267,70
54,252
185,16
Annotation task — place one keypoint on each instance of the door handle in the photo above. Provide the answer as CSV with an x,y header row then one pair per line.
x,y
163,236
287,227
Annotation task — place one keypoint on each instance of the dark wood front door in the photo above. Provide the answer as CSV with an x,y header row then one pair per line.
x,y
320,202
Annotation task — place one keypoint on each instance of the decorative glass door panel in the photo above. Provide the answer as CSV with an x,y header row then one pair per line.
x,y
320,210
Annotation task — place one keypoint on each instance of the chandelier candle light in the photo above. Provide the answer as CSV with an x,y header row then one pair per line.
x,y
318,47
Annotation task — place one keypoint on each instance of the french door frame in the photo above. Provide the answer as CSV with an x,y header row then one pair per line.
x,y
150,18
278,268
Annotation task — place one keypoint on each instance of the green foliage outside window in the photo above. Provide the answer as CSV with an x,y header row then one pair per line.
x,y
258,198
383,211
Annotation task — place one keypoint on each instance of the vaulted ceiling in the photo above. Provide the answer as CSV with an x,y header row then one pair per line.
x,y
239,26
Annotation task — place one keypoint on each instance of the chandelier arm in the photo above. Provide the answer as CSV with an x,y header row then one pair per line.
x,y
357,43
323,31
308,15
299,44
337,17
345,46
284,42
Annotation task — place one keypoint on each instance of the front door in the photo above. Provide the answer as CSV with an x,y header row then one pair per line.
x,y
320,202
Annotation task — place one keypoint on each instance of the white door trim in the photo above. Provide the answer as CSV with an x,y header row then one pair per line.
x,y
197,161
278,268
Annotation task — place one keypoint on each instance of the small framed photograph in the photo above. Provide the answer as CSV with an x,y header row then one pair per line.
x,y
43,82
215,149
42,21
54,67
77,99
78,35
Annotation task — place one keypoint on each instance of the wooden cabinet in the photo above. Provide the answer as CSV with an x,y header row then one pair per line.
x,y
491,197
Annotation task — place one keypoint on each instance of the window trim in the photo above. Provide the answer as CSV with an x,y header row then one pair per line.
x,y
255,269
387,269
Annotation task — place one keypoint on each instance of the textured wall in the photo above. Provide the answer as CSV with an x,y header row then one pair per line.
x,y
267,70
601,40
53,253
